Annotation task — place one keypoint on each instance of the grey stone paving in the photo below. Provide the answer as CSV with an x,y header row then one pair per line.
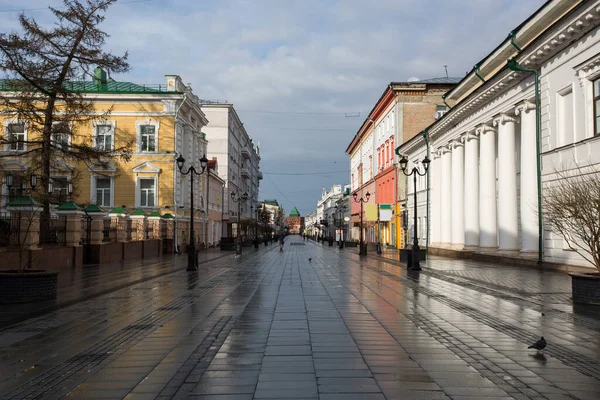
x,y
273,325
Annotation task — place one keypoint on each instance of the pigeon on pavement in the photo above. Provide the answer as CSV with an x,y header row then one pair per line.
x,y
309,259
539,345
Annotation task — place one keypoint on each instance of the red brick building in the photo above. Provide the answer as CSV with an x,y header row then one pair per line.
x,y
294,222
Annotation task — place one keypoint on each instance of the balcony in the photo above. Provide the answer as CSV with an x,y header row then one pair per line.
x,y
245,172
246,153
260,175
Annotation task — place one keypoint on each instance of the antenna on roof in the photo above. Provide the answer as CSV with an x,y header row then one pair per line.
x,y
446,68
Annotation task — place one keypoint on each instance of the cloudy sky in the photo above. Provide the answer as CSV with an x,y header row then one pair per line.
x,y
302,74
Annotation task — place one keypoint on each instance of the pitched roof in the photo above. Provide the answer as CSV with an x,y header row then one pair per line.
x,y
294,212
442,80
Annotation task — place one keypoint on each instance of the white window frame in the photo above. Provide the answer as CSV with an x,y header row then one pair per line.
x,y
110,123
67,134
93,190
138,191
138,128
7,123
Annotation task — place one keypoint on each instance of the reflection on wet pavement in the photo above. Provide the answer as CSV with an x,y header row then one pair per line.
x,y
274,325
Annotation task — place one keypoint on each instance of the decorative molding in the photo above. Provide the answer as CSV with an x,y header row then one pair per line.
x,y
485,128
504,118
524,107
146,167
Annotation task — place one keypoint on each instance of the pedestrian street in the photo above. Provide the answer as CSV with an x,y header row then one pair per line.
x,y
313,322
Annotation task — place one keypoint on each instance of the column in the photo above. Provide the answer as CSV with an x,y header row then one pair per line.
x,y
97,227
508,223
154,228
446,196
488,226
137,227
458,194
471,205
73,226
435,170
529,189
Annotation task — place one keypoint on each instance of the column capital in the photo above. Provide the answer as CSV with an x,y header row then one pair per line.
x,y
444,149
524,107
470,135
503,119
484,128
454,143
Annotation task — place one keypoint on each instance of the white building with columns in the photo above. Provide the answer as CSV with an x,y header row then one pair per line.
x,y
483,183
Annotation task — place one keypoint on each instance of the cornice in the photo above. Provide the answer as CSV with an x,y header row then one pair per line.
x,y
556,39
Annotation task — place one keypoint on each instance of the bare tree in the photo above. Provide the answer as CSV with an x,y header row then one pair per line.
x,y
571,206
43,88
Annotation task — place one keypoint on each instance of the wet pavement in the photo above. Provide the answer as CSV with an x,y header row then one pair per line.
x,y
276,325
77,284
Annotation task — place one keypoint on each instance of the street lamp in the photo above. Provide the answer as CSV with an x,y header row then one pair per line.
x,y
414,172
236,199
192,260
340,209
255,210
362,249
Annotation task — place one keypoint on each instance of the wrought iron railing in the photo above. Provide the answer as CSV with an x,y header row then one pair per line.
x,y
10,229
53,231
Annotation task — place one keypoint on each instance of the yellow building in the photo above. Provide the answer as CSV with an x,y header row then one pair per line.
x,y
156,122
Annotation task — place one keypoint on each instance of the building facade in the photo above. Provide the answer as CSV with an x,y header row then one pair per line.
x,y
159,122
402,111
294,222
239,159
483,191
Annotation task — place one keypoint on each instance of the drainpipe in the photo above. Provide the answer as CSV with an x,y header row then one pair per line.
x,y
425,134
476,68
444,100
511,35
513,65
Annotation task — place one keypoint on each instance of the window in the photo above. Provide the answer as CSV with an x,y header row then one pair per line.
x,y
439,112
148,138
104,137
147,192
103,191
16,136
597,107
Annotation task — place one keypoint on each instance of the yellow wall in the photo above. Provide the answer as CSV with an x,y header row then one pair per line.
x,y
125,132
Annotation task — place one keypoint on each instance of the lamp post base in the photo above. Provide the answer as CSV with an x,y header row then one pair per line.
x,y
362,250
192,261
415,264
238,248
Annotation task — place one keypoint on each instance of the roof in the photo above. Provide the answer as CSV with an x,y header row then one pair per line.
x,y
271,202
443,80
294,212
94,87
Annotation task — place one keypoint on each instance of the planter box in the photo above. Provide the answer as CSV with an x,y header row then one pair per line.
x,y
586,287
27,286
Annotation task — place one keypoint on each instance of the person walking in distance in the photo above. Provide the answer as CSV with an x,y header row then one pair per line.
x,y
281,243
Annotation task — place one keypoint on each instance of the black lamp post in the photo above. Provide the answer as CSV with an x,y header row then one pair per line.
x,y
414,172
236,199
340,209
362,250
255,211
192,260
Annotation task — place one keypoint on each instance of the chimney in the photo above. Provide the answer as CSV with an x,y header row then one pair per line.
x,y
100,76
